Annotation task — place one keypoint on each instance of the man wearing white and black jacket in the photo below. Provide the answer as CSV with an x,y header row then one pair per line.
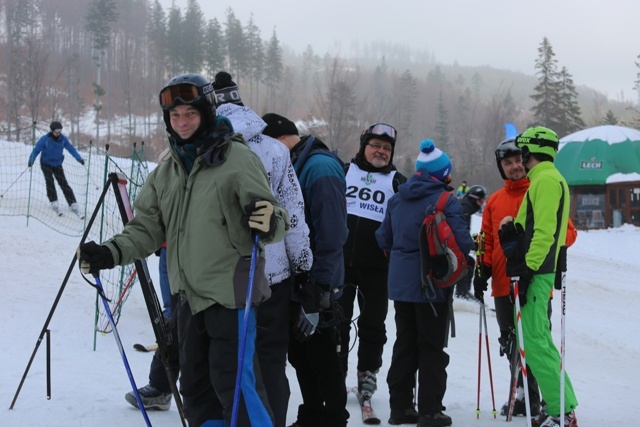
x,y
283,259
371,181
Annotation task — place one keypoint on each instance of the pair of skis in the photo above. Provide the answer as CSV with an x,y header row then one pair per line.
x,y
369,416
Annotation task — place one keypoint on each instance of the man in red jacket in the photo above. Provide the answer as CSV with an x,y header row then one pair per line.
x,y
506,202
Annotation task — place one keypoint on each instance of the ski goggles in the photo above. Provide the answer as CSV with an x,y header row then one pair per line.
x,y
381,129
174,95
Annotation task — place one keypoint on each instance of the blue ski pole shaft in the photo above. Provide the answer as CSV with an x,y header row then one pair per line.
x,y
121,348
243,338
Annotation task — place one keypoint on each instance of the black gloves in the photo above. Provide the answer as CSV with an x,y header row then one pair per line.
x,y
313,299
513,241
94,257
259,215
561,268
480,279
30,163
81,161
525,275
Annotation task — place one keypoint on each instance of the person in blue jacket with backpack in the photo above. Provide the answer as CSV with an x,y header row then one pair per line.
x,y
52,146
422,316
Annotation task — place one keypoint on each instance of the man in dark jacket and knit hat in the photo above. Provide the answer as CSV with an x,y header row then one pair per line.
x,y
421,317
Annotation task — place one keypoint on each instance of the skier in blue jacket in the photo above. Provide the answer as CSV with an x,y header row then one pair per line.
x,y
422,318
52,146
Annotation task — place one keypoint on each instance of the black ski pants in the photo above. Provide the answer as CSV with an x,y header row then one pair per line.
x,y
272,343
51,172
157,373
504,315
369,287
420,338
320,375
209,348
463,287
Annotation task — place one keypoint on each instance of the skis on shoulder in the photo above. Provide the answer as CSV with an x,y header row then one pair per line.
x,y
369,416
145,348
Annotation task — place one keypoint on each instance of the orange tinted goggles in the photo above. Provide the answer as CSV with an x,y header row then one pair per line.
x,y
185,93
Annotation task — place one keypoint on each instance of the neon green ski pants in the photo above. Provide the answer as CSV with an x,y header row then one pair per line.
x,y
541,353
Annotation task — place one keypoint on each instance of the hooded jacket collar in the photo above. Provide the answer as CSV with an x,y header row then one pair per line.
x,y
244,120
421,184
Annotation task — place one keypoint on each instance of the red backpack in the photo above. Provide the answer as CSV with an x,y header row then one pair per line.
x,y
443,263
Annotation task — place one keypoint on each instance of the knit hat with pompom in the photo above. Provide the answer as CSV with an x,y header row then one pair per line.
x,y
433,160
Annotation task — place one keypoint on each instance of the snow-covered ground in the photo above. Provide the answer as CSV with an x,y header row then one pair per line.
x,y
88,386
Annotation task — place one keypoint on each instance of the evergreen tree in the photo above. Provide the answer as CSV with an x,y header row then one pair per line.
x,y
193,32
380,97
157,36
273,68
442,124
636,86
636,120
547,108
237,50
406,92
18,20
437,76
569,119
100,16
339,104
255,47
214,48
175,40
609,119
310,66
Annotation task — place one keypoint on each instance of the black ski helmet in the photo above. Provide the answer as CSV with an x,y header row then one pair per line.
x,y
477,192
189,89
506,148
382,131
55,125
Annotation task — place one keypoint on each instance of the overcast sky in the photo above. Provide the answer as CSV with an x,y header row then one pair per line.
x,y
597,40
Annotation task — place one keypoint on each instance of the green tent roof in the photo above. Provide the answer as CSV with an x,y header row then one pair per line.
x,y
600,155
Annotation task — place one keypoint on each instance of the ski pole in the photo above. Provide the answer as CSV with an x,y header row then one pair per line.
x,y
562,268
121,349
514,365
479,359
523,361
486,337
243,337
13,183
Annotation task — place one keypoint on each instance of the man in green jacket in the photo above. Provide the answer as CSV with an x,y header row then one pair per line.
x,y
532,244
205,199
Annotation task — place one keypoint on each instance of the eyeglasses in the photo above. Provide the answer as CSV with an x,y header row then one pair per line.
x,y
385,148
382,129
185,93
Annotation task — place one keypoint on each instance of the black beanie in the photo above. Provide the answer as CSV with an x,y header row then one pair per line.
x,y
55,125
226,89
278,126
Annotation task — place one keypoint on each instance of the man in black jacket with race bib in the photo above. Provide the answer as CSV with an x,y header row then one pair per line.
x,y
371,181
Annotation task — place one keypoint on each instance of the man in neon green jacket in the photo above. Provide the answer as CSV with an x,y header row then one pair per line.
x,y
532,244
